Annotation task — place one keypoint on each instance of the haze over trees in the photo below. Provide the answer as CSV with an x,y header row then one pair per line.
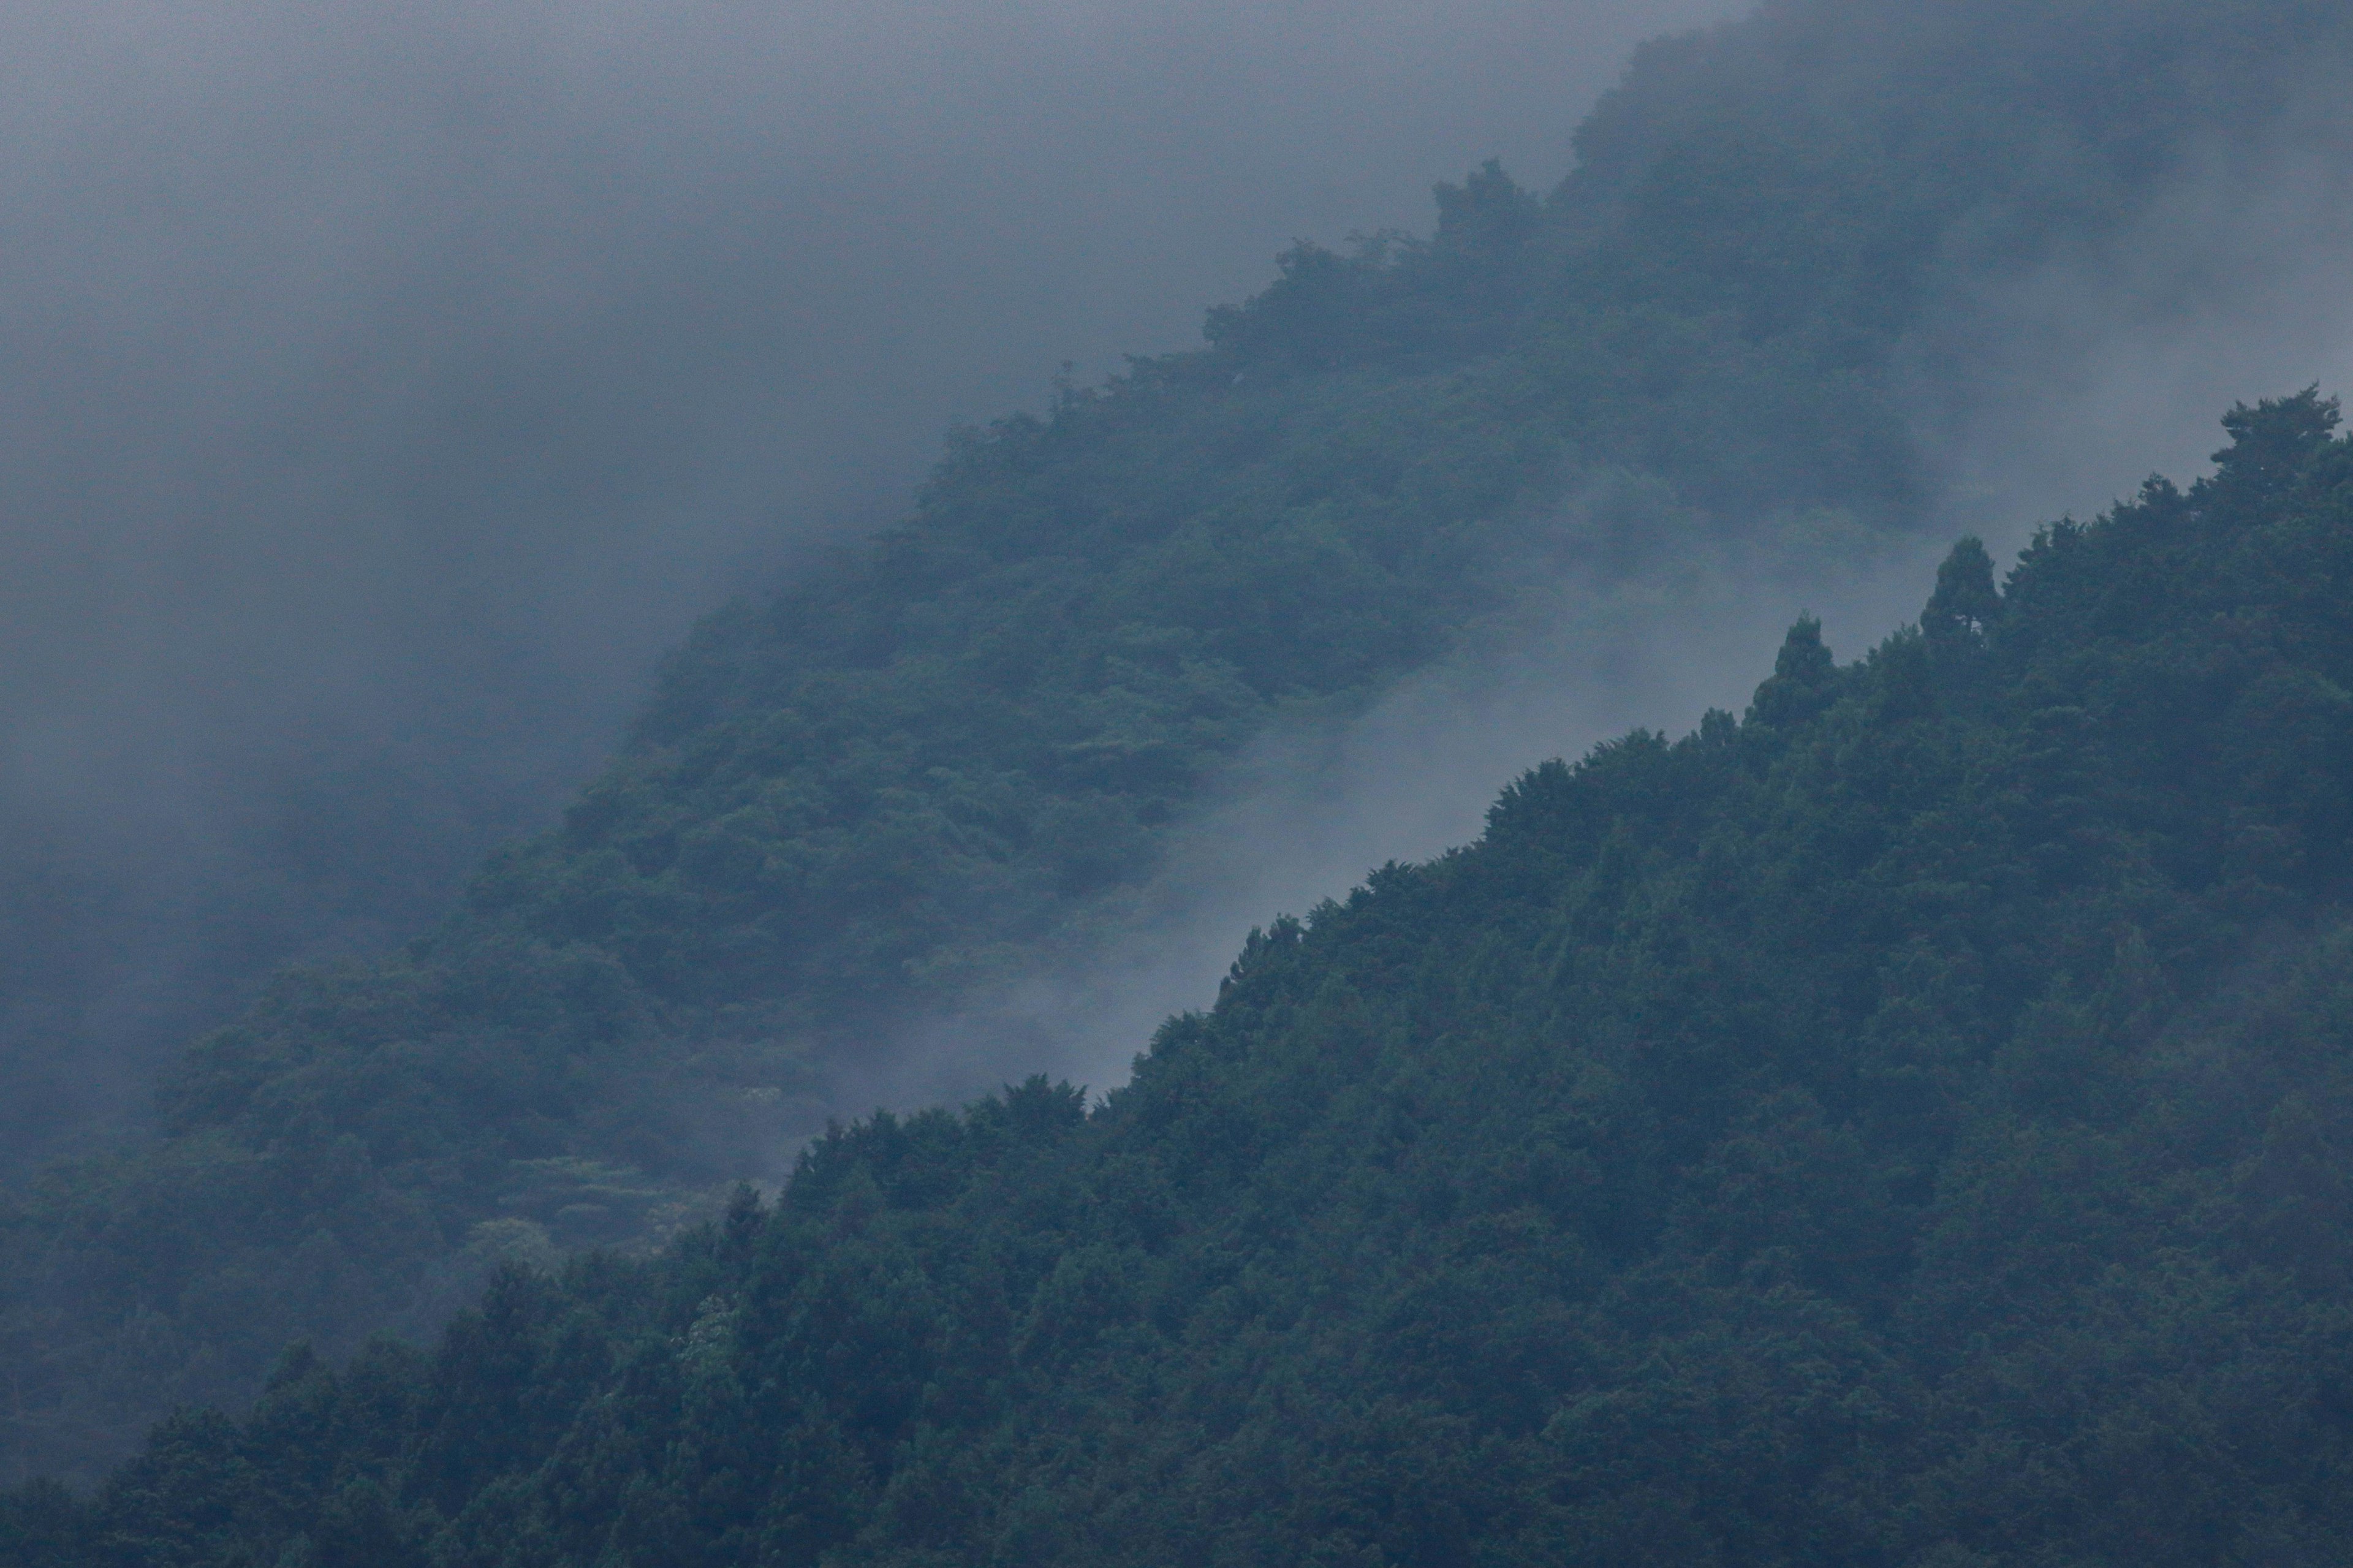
x,y
392,385
1900,1125
1780,1094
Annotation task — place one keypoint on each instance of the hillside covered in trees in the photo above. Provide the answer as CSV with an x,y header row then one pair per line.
x,y
956,749
1903,1125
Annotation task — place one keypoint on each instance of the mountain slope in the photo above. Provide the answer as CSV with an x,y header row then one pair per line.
x,y
1902,1126
952,753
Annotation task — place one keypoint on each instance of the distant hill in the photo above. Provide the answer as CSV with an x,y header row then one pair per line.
x,y
950,751
1905,1125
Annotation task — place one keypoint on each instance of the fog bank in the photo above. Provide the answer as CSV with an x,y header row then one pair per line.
x,y
2041,391
387,386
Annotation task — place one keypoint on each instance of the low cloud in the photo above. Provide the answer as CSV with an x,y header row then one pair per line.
x,y
386,386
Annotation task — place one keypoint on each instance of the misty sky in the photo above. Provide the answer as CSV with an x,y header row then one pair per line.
x,y
448,341
388,384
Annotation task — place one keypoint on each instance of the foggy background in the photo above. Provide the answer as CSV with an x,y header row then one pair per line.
x,y
385,386
2039,391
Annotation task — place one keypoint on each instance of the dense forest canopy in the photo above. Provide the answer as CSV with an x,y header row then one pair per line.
x,y
1900,1126
956,748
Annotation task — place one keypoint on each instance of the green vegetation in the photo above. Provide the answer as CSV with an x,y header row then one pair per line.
x,y
950,751
1902,1126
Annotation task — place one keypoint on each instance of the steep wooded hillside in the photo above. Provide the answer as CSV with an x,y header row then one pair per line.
x,y
950,751
1902,1126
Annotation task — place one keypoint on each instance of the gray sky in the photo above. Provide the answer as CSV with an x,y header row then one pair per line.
x,y
388,384
506,334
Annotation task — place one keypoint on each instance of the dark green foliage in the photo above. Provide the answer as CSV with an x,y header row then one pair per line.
x,y
944,757
1905,1127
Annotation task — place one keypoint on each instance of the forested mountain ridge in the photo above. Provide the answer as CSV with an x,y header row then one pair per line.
x,y
1900,1126
954,749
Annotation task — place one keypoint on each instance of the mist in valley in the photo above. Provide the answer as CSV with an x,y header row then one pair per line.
x,y
390,395
387,391
2043,392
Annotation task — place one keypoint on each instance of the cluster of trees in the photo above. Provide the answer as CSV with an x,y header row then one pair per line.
x,y
1902,1126
947,752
